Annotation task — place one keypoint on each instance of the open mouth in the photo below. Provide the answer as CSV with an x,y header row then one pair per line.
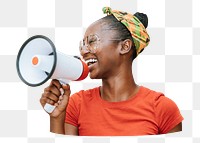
x,y
90,61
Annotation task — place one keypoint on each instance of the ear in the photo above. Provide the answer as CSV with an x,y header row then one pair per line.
x,y
126,46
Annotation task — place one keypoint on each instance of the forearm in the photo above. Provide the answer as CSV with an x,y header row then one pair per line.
x,y
57,124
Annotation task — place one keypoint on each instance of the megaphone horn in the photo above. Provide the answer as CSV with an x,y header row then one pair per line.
x,y
27,70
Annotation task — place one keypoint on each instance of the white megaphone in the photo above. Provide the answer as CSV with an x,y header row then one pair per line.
x,y
38,61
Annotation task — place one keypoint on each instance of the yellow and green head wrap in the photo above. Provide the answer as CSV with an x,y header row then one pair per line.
x,y
134,25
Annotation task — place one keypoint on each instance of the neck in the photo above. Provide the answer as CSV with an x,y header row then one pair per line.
x,y
118,87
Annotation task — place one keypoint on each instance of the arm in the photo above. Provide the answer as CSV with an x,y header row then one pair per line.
x,y
70,129
177,128
57,124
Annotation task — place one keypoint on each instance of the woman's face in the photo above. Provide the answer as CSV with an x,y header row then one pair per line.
x,y
103,57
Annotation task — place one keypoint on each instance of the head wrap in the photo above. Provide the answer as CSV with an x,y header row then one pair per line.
x,y
133,24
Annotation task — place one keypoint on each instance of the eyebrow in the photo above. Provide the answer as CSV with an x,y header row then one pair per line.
x,y
89,35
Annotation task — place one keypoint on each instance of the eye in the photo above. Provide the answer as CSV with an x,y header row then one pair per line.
x,y
91,41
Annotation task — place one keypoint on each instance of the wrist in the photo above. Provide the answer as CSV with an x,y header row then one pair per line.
x,y
57,124
58,118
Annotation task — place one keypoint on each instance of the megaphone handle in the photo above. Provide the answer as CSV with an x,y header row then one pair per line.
x,y
48,107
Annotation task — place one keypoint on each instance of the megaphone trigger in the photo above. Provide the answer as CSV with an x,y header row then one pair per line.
x,y
61,91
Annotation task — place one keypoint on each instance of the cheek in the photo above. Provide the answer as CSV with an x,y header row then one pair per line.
x,y
108,59
107,54
112,52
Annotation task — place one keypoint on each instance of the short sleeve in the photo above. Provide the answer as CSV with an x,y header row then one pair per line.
x,y
167,114
73,109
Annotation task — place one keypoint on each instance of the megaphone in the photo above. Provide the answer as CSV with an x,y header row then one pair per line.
x,y
38,61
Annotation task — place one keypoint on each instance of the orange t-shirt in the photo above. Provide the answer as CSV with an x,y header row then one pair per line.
x,y
146,113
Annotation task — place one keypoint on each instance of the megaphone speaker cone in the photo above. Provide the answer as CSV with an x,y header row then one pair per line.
x,y
35,60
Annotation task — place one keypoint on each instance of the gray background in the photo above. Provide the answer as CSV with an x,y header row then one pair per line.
x,y
170,64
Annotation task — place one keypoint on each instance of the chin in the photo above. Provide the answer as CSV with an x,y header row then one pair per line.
x,y
94,76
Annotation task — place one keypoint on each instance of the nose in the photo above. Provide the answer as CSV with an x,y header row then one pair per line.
x,y
84,50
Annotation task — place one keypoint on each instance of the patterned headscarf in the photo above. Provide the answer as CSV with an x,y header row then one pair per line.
x,y
138,31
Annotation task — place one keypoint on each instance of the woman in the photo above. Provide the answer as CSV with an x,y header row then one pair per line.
x,y
119,106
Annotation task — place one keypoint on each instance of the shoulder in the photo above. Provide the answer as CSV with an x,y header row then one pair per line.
x,y
84,94
158,98
151,95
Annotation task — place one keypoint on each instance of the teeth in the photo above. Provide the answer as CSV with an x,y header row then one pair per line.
x,y
91,61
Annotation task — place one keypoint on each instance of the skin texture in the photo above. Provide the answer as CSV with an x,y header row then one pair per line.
x,y
111,69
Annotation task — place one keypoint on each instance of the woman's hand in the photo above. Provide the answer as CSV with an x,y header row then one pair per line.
x,y
57,95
